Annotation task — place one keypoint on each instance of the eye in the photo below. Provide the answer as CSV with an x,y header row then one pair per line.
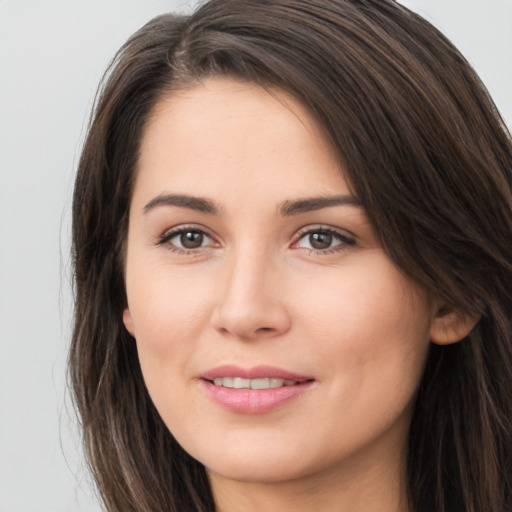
x,y
323,240
186,240
189,239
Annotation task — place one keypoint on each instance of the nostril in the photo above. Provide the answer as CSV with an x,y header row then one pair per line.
x,y
258,319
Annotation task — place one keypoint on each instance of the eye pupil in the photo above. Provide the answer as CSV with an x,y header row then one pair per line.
x,y
320,240
191,239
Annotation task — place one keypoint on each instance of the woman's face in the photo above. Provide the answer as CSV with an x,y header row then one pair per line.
x,y
276,338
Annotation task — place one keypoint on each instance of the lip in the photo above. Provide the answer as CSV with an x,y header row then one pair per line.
x,y
257,372
253,401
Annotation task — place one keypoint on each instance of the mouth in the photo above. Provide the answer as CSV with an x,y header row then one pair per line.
x,y
253,391
257,377
263,383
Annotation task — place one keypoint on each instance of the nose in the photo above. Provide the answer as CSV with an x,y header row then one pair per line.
x,y
251,304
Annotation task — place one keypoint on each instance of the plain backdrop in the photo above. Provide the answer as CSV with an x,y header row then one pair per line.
x,y
52,55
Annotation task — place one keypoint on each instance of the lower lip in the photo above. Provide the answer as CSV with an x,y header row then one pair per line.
x,y
254,401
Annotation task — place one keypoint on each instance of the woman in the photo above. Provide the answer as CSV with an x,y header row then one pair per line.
x,y
292,244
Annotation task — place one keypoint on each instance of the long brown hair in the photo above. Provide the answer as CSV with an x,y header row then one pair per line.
x,y
427,154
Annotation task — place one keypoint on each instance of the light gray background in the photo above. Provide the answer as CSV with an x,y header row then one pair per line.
x,y
52,55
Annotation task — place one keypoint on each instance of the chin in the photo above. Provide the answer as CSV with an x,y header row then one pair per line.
x,y
253,464
268,472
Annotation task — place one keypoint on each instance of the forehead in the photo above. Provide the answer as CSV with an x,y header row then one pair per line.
x,y
226,136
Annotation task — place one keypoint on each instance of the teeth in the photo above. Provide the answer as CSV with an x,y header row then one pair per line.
x,y
240,383
277,383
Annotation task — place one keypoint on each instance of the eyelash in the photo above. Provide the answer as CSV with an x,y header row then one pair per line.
x,y
166,238
345,240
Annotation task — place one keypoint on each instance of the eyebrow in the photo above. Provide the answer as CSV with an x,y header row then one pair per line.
x,y
287,209
183,201
317,203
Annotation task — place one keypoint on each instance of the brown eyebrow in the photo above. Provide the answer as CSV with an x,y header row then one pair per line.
x,y
316,203
183,201
287,209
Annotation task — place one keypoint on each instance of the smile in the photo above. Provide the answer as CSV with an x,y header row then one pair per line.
x,y
241,383
256,390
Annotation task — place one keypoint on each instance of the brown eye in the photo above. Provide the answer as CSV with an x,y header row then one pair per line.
x,y
191,239
320,240
186,239
324,241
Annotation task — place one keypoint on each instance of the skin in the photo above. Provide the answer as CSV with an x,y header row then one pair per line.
x,y
255,292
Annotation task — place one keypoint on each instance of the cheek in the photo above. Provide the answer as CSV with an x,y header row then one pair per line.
x,y
369,337
370,323
169,313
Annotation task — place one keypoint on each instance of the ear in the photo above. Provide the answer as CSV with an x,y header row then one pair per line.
x,y
451,325
128,322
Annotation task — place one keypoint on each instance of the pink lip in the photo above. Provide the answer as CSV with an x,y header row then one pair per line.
x,y
257,372
253,401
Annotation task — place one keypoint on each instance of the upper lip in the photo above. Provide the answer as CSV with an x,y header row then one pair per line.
x,y
256,372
